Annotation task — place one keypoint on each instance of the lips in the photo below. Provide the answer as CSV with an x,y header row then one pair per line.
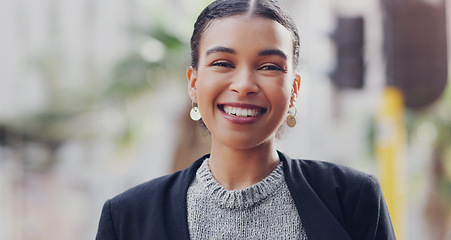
x,y
242,110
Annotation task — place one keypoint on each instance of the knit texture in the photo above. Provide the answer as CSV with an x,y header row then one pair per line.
x,y
264,210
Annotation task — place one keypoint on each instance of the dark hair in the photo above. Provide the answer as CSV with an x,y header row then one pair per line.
x,y
226,8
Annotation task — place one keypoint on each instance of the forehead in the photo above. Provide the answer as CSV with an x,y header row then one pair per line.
x,y
249,32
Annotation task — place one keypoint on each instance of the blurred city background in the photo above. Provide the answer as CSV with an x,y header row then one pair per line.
x,y
93,101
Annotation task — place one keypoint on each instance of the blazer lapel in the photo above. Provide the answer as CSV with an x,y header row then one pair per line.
x,y
177,195
318,222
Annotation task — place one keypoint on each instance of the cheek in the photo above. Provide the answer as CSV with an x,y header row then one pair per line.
x,y
279,92
207,89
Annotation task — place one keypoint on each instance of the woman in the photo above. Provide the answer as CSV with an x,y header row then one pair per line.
x,y
243,80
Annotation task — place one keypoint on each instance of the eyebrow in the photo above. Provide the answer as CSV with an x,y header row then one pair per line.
x,y
219,49
266,52
269,52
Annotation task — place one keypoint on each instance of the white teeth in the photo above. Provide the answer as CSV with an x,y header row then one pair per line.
x,y
241,112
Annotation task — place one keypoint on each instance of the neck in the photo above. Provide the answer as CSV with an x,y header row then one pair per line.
x,y
237,169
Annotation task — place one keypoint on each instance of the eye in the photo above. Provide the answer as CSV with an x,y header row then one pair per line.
x,y
271,67
223,64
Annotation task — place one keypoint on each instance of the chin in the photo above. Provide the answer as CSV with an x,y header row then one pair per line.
x,y
248,142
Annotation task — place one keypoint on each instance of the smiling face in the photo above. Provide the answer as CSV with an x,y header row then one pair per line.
x,y
245,80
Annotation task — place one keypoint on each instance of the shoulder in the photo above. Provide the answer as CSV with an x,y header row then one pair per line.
x,y
354,198
328,179
156,190
145,210
321,171
123,213
147,189
333,183
344,191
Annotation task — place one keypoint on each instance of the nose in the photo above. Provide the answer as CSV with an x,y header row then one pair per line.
x,y
244,82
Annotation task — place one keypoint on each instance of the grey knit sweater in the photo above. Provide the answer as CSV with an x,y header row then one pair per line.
x,y
264,210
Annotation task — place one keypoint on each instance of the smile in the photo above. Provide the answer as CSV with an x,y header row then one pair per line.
x,y
242,111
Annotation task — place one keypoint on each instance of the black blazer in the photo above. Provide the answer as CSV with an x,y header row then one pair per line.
x,y
333,201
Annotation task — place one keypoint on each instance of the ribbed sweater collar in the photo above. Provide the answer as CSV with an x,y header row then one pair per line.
x,y
239,199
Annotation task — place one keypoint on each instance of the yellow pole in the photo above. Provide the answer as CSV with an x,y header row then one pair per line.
x,y
390,154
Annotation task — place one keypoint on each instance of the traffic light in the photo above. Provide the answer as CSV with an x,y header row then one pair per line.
x,y
349,41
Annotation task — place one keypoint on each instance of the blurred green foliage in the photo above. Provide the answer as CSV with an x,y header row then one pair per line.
x,y
432,125
134,75
70,113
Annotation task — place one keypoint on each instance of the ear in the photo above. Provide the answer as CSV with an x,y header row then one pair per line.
x,y
295,89
191,75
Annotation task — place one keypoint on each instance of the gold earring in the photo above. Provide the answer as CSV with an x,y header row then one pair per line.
x,y
291,120
194,113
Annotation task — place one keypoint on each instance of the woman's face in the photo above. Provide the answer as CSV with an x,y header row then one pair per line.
x,y
244,83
